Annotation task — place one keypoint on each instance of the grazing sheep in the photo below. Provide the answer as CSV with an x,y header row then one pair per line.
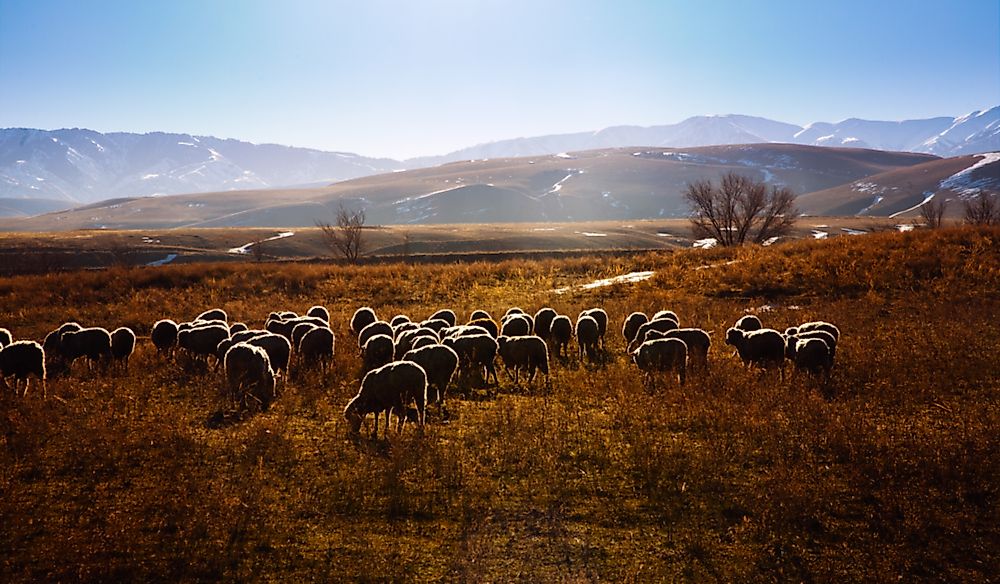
x,y
376,352
812,355
562,333
445,315
601,317
762,348
398,320
421,342
488,324
5,338
404,342
631,326
543,321
439,363
528,353
319,312
435,324
363,317
826,337
247,335
463,330
820,326
515,326
238,327
203,341
476,352
390,387
21,360
511,311
379,327
93,343
279,350
285,327
667,314
660,325
300,331
317,346
697,340
588,336
478,314
662,355
249,376
748,323
403,327
122,345
215,314
53,340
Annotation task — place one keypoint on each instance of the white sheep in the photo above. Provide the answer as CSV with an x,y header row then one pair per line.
x,y
215,314
661,325
528,353
249,376
22,360
363,317
200,342
300,331
379,327
599,315
820,325
667,314
476,352
376,352
825,336
697,340
439,363
389,388
488,324
278,348
763,348
404,342
813,356
662,355
93,343
421,342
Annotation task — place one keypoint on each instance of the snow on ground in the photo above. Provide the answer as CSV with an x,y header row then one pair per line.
x,y
904,227
817,234
563,155
629,278
591,234
544,229
770,241
850,231
707,243
927,197
245,249
170,257
961,182
559,184
878,199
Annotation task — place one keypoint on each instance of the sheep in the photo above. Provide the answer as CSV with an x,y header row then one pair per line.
x,y
122,345
763,348
398,320
698,343
631,326
562,333
203,341
511,311
587,337
667,314
488,324
247,335
237,327
249,376
93,343
660,325
5,338
829,339
285,327
476,352
300,331
389,388
279,350
662,355
376,352
813,356
363,317
528,352
464,330
317,346
748,323
21,360
543,321
215,314
404,342
478,314
164,336
379,327
820,326
601,317
319,312
403,327
515,326
421,342
445,315
56,362
439,363
435,324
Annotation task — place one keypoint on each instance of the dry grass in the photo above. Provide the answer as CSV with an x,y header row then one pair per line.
x,y
891,471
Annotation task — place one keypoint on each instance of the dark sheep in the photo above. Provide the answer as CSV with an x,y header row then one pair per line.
x,y
23,360
363,317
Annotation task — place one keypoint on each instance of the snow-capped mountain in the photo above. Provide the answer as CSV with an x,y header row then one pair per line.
x,y
83,166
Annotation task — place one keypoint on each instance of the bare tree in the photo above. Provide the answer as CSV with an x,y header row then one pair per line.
x,y
932,212
982,209
740,210
345,237
257,249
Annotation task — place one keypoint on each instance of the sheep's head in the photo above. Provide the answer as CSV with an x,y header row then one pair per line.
x,y
734,336
354,416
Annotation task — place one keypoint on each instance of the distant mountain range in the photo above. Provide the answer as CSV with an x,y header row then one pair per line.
x,y
43,170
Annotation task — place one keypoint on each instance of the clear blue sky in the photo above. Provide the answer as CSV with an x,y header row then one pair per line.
x,y
404,78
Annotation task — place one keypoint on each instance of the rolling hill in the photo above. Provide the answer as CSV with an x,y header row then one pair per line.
x,y
594,185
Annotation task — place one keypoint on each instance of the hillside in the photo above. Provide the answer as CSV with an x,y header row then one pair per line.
x,y
584,186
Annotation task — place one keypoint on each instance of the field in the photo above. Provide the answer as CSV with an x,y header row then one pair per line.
x,y
890,471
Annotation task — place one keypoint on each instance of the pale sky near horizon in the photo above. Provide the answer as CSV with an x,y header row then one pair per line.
x,y
403,79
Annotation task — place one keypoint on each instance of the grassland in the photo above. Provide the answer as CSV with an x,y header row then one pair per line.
x,y
889,472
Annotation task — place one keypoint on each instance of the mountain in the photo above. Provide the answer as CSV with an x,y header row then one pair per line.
x,y
632,183
900,192
82,166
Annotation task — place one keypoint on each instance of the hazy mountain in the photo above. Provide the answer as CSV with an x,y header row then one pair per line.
x,y
81,166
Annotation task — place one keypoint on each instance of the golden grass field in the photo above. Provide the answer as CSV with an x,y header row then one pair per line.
x,y
888,472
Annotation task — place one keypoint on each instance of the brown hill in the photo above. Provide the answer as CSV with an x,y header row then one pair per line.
x,y
594,185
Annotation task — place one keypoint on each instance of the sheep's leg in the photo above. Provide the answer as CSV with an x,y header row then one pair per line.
x,y
375,429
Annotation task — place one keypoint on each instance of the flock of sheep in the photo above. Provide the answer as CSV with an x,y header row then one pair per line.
x,y
407,363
